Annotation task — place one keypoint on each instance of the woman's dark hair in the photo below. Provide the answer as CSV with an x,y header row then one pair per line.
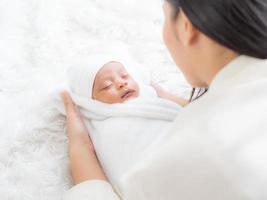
x,y
240,25
197,93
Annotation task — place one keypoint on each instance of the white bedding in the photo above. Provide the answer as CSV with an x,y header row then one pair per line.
x,y
38,41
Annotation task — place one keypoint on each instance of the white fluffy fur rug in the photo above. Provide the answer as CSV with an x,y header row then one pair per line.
x,y
39,39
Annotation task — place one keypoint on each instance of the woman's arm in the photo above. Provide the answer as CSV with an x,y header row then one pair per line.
x,y
88,176
83,161
167,95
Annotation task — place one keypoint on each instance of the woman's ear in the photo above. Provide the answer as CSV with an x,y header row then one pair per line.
x,y
187,33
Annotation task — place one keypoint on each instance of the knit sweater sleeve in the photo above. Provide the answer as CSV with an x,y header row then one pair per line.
x,y
93,189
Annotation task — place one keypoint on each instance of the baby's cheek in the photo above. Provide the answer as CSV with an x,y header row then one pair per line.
x,y
114,96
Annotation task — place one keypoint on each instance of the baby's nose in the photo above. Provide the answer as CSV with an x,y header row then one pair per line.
x,y
122,84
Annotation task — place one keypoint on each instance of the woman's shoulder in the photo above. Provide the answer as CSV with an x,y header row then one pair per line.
x,y
237,112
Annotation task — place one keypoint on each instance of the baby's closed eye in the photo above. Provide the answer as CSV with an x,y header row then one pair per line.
x,y
124,75
106,85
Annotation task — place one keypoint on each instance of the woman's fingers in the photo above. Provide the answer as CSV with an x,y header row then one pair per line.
x,y
70,107
73,119
160,91
75,124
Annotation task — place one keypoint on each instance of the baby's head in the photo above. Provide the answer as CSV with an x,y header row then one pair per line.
x,y
103,79
113,84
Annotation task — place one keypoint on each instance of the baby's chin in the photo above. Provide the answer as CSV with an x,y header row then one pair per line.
x,y
130,96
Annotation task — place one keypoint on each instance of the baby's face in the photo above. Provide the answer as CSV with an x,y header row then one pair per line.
x,y
113,84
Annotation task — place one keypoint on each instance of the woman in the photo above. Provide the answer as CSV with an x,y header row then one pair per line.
x,y
216,147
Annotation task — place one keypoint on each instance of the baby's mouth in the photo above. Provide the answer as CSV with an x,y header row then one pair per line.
x,y
127,94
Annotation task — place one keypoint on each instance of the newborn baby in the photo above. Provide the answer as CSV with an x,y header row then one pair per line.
x,y
112,97
113,84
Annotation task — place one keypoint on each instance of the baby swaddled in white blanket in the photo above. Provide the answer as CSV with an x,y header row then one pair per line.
x,y
123,114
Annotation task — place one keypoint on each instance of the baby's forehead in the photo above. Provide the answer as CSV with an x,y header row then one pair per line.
x,y
108,70
112,66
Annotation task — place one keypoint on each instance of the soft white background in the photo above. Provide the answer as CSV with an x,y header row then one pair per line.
x,y
38,40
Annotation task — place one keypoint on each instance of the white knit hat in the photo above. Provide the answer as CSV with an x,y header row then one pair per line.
x,y
82,75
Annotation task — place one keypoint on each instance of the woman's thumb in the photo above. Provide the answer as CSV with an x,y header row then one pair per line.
x,y
68,103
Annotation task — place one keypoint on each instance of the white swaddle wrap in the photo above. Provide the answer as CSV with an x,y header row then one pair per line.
x,y
120,132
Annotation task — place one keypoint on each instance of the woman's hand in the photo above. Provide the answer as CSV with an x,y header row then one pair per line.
x,y
75,125
83,161
160,91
